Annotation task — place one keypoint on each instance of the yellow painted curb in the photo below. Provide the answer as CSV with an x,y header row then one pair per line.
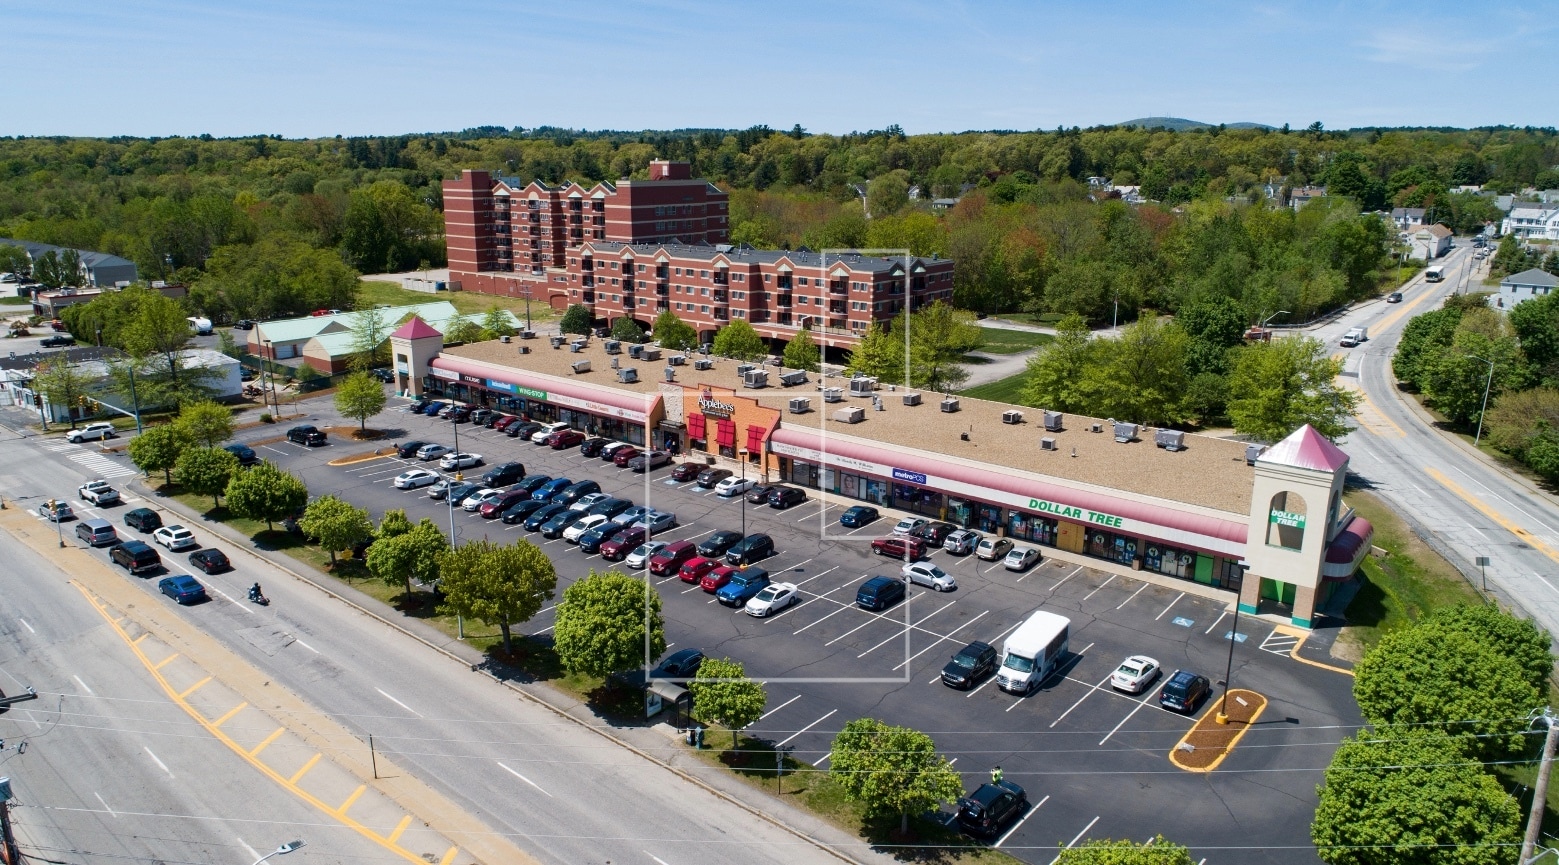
x,y
1210,718
1303,635
359,458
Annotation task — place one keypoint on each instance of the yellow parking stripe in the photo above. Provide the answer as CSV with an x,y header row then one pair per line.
x,y
268,740
140,638
231,712
449,856
195,687
352,799
298,775
399,828
165,661
1303,635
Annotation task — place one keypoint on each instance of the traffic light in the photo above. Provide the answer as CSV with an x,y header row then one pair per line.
x,y
81,401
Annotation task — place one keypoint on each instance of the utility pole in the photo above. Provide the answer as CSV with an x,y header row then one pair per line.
x,y
13,856
1540,791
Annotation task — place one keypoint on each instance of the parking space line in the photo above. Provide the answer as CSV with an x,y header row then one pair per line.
x,y
1101,585
776,708
1067,577
1133,595
1135,709
934,643
906,630
816,575
779,745
973,691
1171,604
1074,841
1086,694
824,759
1025,819
1216,621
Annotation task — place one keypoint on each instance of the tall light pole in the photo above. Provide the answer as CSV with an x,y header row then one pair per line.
x,y
1540,790
741,500
1486,385
270,375
280,851
1228,674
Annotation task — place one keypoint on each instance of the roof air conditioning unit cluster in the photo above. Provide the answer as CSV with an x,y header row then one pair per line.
x,y
1053,421
1125,432
833,394
912,398
791,379
743,368
1169,439
527,334
862,386
628,375
853,414
703,363
671,373
557,341
577,346
800,405
636,351
1253,453
613,346
950,404
650,354
1047,444
504,339
677,359
1012,417
581,366
756,378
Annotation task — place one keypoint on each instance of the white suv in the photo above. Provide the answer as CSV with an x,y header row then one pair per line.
x,y
90,432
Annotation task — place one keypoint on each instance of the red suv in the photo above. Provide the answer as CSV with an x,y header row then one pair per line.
x,y
667,561
564,438
623,455
895,547
623,543
696,567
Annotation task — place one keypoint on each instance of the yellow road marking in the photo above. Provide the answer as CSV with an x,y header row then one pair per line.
x,y
1402,310
165,661
448,857
231,712
195,687
249,756
298,775
140,638
399,828
268,740
1303,635
1378,414
352,799
1489,512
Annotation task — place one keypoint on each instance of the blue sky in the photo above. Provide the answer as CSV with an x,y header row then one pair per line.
x,y
168,67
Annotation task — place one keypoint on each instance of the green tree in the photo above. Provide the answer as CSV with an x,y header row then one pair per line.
x,y
608,623
1399,795
939,336
576,319
393,524
722,694
370,339
205,471
1278,386
1156,851
496,585
306,372
673,333
1143,376
265,492
891,771
462,329
498,322
411,555
13,259
1215,325
887,194
159,328
1055,374
336,523
207,422
879,355
1455,378
627,330
1421,339
158,449
802,353
63,383
738,340
360,396
1520,640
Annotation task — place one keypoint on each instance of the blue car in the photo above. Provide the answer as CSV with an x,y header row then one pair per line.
x,y
182,588
532,483
591,541
546,491
858,516
743,586
434,408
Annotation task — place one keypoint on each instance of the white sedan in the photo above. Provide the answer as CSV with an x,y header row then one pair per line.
x,y
410,480
460,460
641,554
907,525
927,574
772,598
474,501
1020,558
1135,673
175,538
582,525
734,486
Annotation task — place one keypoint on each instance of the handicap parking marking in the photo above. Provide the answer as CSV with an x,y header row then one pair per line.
x,y
1236,636
1171,604
1182,621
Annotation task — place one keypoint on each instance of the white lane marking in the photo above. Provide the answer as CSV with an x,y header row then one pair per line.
x,y
398,702
973,691
806,728
1063,579
656,858
1216,621
1079,837
1101,586
1140,703
1546,582
946,636
823,759
1086,694
1171,604
518,775
276,451
158,762
83,685
105,804
825,618
816,575
1032,808
225,597
905,631
776,708
1133,595
305,645
25,625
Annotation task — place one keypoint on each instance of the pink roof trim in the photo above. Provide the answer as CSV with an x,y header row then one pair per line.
x,y
641,403
415,329
1306,449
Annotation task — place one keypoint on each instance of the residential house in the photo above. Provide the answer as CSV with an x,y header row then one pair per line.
x,y
98,269
1530,220
1429,242
1524,286
1300,196
1407,218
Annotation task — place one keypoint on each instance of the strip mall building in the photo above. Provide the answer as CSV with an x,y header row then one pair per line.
x,y
1269,526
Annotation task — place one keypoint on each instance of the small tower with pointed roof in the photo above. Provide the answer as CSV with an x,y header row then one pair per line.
x,y
413,346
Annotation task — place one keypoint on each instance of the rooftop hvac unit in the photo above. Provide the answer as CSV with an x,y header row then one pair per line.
x,y
912,398
504,339
1253,453
615,362
1125,432
1169,439
1012,417
577,345
833,394
636,351
743,368
671,373
1096,427
1047,444
862,386
628,375
557,341
703,363
677,359
581,366
791,379
950,404
853,414
527,334
800,405
1053,421
524,349
650,353
877,404
613,346
756,378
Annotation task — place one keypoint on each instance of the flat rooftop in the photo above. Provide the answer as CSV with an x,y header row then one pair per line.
x,y
1209,472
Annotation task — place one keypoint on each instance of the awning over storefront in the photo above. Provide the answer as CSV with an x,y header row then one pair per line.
x,y
1346,550
608,402
695,427
755,438
1160,521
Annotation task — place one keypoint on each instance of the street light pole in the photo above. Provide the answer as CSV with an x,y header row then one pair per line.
x,y
1228,673
741,500
1540,790
280,851
1486,385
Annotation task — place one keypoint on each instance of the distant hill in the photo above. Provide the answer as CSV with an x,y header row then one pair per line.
x,y
1180,124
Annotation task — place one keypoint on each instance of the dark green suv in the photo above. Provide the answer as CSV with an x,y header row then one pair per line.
x,y
143,520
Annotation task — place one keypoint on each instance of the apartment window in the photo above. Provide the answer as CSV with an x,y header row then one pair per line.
x,y
766,276
678,270
704,309
803,280
703,290
616,281
739,313
802,300
641,268
617,298
703,274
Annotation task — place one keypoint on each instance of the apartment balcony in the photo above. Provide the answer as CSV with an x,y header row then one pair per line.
x,y
720,278
836,306
662,291
588,281
783,302
719,296
662,305
838,288
588,297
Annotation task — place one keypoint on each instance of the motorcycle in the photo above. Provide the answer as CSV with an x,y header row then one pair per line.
x,y
251,390
260,599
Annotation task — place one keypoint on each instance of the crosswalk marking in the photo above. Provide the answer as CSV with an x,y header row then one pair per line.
x,y
1279,643
95,462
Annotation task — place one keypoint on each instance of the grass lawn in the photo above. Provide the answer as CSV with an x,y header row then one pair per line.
x,y
1007,389
375,292
15,301
1404,586
1000,341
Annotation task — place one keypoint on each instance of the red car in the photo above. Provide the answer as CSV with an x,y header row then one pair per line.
x,y
667,561
502,421
623,543
716,578
895,546
623,455
686,471
510,498
564,438
695,568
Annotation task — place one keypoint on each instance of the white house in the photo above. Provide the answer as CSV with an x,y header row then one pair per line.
x,y
1407,218
1524,286
1530,220
1429,242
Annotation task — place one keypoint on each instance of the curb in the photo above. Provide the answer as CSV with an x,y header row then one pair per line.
x,y
1489,462
479,667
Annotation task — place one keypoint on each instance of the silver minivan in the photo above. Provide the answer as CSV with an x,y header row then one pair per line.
x,y
97,533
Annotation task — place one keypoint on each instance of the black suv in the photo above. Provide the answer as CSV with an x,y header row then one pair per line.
x,y
985,811
749,549
143,520
592,447
934,533
1184,691
503,475
407,450
718,544
972,663
57,340
246,455
135,556
522,430
785,497
305,435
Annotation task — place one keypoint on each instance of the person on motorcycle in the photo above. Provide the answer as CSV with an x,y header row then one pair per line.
x,y
254,592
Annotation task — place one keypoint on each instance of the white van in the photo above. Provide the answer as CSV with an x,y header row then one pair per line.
x,y
201,326
1032,652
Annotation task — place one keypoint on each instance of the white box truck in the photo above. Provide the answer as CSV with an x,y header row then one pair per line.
x,y
1354,336
1032,652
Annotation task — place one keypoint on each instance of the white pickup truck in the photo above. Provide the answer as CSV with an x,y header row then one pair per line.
x,y
1354,336
98,492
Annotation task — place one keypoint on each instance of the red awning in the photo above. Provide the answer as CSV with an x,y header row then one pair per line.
x,y
695,427
755,438
1346,550
725,434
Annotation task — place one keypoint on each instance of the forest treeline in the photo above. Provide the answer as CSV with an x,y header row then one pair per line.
x,y
1026,233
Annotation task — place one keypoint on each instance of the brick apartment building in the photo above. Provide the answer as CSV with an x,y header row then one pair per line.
x,y
638,247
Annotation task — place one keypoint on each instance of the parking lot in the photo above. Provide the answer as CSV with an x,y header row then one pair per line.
x,y
1094,761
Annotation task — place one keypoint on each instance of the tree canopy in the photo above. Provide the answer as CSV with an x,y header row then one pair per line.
x,y
609,623
495,584
891,771
265,492
336,523
408,555
205,471
360,396
722,694
738,340
1278,386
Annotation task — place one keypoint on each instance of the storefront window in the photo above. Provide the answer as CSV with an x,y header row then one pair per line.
x,y
802,473
877,492
960,512
917,499
1032,527
1120,549
1230,574
989,519
1169,561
